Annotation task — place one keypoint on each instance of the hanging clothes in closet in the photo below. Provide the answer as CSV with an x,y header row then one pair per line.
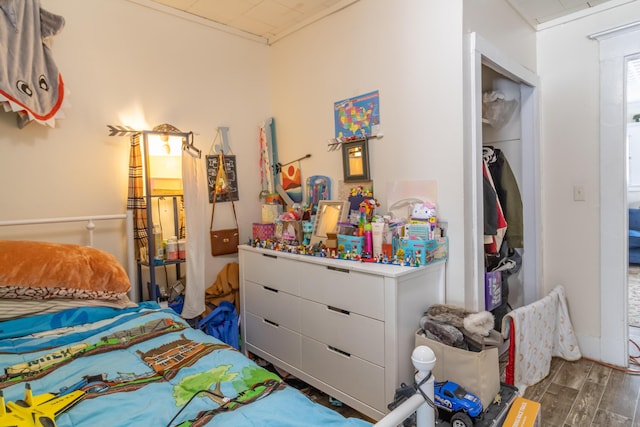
x,y
503,216
495,225
503,204
508,194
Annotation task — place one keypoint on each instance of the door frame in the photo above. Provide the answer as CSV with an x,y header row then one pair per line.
x,y
483,53
616,45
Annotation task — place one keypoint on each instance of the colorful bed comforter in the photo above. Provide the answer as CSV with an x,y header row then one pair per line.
x,y
141,366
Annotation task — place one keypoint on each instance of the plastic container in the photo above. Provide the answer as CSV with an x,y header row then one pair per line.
x,y
377,229
172,249
368,240
157,241
182,249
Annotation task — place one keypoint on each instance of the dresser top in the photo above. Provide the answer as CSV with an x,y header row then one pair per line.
x,y
388,270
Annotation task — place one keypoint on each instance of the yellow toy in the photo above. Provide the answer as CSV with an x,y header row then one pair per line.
x,y
36,411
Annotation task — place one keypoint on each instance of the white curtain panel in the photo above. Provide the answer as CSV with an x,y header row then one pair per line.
x,y
195,193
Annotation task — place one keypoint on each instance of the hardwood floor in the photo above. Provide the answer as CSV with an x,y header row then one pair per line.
x,y
585,393
324,399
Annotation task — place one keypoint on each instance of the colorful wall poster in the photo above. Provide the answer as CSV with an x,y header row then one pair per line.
x,y
355,117
292,181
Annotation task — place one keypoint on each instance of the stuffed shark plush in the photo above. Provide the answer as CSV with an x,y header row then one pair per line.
x,y
30,83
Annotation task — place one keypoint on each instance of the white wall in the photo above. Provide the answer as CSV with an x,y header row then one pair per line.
x,y
570,118
114,58
127,64
500,24
411,51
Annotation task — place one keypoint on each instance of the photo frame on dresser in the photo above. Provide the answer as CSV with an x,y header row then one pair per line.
x,y
329,214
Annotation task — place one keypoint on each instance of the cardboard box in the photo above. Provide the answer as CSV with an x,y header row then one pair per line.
x,y
523,413
350,243
414,248
288,231
332,241
429,250
263,231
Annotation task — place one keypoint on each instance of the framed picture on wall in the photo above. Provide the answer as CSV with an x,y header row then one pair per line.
x,y
230,167
355,161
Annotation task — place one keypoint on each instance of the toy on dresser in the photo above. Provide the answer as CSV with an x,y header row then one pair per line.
x,y
367,237
422,239
423,212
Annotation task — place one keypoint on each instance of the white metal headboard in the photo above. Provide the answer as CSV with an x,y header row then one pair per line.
x,y
90,220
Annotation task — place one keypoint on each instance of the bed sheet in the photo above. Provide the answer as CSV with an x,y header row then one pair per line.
x,y
141,367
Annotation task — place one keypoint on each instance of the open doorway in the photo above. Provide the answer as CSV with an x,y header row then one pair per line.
x,y
632,120
617,46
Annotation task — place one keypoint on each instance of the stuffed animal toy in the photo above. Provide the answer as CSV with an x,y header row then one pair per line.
x,y
480,323
442,332
30,83
423,211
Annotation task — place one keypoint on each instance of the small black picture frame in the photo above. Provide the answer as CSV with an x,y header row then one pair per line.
x,y
355,160
230,167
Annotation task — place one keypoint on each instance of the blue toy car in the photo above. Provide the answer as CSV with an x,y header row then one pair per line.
x,y
458,402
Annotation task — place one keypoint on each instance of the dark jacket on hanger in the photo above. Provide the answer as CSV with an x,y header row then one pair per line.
x,y
509,196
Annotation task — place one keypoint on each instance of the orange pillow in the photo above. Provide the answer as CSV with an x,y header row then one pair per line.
x,y
42,270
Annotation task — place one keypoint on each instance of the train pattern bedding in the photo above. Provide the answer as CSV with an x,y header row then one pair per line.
x,y
143,366
129,365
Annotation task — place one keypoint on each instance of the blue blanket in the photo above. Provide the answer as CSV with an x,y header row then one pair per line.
x,y
144,367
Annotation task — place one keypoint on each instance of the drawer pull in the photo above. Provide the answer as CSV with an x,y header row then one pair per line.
x,y
338,310
270,256
271,323
266,288
341,270
337,350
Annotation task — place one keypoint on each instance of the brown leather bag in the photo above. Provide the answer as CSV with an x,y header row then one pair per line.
x,y
224,241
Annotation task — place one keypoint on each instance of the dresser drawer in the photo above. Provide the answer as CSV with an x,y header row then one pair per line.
x,y
273,271
277,306
274,339
356,334
356,292
358,378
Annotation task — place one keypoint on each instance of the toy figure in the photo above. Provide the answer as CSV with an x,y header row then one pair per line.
x,y
307,229
424,211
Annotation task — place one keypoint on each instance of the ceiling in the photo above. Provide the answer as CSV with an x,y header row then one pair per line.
x,y
273,19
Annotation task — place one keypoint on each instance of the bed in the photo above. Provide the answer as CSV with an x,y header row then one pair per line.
x,y
75,350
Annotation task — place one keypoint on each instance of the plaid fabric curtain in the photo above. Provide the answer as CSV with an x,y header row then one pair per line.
x,y
182,219
135,200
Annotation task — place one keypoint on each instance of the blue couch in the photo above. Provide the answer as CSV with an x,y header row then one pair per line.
x,y
634,236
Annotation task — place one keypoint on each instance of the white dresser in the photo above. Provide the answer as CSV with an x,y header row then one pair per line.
x,y
345,327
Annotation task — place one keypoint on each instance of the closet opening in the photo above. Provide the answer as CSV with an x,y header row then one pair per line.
x,y
504,148
503,237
